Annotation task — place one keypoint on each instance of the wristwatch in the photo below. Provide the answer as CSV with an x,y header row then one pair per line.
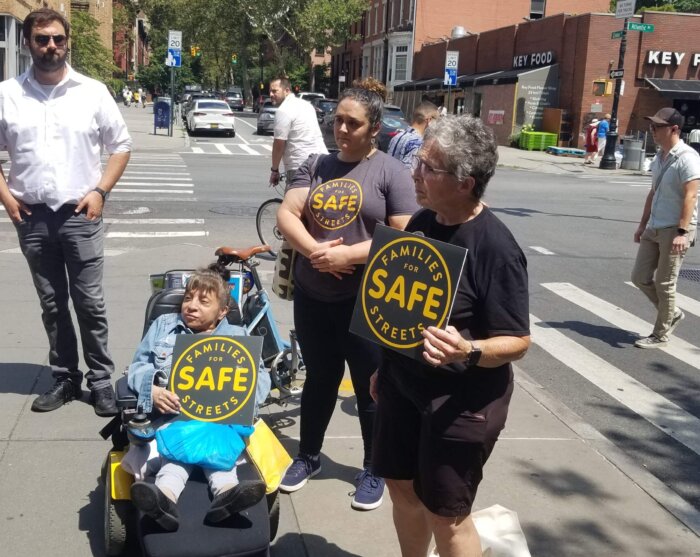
x,y
275,170
474,356
682,231
102,192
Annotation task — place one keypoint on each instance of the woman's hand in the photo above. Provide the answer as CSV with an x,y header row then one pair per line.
x,y
165,401
332,257
444,347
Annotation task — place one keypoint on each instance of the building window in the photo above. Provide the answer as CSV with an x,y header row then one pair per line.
x,y
400,63
537,8
365,66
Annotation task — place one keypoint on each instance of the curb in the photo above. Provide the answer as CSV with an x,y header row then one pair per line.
x,y
678,507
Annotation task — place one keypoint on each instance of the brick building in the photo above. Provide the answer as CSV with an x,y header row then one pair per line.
x,y
391,31
509,76
131,47
101,10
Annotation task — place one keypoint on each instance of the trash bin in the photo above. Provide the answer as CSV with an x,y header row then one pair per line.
x,y
632,154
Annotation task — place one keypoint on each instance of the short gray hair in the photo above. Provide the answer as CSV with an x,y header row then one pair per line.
x,y
468,146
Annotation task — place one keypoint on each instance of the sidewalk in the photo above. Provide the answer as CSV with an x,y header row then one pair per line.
x,y
541,161
142,131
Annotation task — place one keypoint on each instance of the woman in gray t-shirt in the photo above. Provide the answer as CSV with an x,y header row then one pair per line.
x,y
329,214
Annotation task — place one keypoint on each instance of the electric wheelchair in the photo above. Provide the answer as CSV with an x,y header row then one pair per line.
x,y
247,534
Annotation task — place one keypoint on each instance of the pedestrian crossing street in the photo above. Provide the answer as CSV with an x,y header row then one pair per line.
x,y
149,179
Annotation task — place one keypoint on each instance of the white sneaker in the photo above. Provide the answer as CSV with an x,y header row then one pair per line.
x,y
677,318
652,341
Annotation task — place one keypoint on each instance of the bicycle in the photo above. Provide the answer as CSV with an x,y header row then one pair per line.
x,y
266,220
252,309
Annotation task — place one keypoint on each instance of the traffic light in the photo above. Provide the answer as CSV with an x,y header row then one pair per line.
x,y
602,88
234,58
195,51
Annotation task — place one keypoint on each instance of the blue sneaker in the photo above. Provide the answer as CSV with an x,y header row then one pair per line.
x,y
303,467
369,492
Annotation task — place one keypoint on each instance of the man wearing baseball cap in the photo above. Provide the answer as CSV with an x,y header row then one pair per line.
x,y
668,223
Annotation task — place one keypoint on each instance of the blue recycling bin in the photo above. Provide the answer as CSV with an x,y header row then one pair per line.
x,y
161,114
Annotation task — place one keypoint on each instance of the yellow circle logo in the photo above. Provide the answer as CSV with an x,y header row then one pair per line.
x,y
336,203
214,379
406,287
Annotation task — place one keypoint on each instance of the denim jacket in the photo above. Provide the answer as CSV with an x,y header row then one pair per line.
x,y
153,358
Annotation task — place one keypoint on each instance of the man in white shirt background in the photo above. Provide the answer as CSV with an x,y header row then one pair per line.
x,y
55,122
297,134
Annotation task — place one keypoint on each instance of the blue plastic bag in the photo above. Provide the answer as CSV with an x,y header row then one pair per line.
x,y
214,446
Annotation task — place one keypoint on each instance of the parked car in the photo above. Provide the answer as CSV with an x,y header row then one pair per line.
x,y
324,106
262,99
266,118
392,124
211,115
234,98
307,96
188,101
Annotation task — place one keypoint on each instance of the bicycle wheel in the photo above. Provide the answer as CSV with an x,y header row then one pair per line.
x,y
266,223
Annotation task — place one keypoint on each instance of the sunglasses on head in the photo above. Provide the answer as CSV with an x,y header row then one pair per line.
x,y
43,40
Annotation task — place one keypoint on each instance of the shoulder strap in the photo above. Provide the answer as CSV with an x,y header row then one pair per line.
x,y
665,167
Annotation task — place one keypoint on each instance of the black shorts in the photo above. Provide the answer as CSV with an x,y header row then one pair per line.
x,y
441,442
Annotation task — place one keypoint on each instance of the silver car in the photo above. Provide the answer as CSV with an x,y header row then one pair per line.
x,y
266,118
211,115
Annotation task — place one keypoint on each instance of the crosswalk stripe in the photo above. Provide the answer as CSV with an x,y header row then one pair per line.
x,y
156,175
268,147
158,165
155,184
222,149
683,302
657,410
543,251
140,190
197,150
157,234
107,252
152,221
249,150
680,349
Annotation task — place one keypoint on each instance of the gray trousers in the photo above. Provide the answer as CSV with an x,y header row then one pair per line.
x,y
66,257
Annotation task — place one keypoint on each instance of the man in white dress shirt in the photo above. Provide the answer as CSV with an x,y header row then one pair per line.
x,y
55,123
297,134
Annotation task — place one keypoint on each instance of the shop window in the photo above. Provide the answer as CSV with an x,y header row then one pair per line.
x,y
476,107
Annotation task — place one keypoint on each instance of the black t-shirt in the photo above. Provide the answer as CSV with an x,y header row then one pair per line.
x,y
348,199
492,299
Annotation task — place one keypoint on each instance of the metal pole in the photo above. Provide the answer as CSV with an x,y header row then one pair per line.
x,y
608,161
172,100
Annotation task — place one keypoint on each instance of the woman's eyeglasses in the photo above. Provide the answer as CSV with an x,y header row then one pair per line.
x,y
44,40
419,165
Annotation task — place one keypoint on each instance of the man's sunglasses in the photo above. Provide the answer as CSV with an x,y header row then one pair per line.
x,y
44,40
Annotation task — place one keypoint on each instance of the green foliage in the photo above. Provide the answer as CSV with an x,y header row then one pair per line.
x,y
88,55
661,8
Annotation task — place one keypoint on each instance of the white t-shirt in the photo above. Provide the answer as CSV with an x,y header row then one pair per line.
x,y
296,123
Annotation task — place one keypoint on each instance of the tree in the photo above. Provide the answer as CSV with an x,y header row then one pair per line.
x,y
88,55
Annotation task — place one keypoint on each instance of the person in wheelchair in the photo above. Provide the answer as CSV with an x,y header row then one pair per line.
x,y
204,310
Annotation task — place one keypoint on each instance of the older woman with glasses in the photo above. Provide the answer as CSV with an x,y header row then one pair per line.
x,y
438,420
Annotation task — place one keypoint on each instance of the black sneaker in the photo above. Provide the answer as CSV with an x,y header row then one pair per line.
x,y
238,498
152,502
104,402
61,393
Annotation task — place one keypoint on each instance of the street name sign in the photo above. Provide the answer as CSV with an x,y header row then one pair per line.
x,y
617,34
616,74
643,27
625,8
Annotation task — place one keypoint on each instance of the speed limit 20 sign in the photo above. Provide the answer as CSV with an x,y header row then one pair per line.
x,y
451,59
175,40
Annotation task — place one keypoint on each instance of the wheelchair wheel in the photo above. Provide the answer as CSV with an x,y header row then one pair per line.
x,y
266,224
287,378
273,508
116,517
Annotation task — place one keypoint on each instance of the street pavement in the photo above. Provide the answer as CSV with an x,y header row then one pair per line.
x,y
575,492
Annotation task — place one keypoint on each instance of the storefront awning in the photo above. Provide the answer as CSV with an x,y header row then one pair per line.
x,y
499,77
676,88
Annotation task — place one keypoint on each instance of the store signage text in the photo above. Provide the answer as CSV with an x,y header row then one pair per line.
x,y
670,58
533,60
